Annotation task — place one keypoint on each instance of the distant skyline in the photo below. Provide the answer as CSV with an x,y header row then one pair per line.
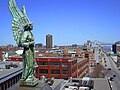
x,y
68,21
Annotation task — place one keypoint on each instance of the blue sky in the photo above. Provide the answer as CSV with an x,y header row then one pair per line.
x,y
69,21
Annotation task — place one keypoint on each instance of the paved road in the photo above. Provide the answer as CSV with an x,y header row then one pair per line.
x,y
96,53
114,71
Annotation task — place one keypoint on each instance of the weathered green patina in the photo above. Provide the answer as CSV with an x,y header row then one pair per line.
x,y
21,27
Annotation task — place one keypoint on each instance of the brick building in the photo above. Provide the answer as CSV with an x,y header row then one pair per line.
x,y
2,49
59,67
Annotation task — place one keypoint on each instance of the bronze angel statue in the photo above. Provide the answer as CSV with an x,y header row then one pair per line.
x,y
21,27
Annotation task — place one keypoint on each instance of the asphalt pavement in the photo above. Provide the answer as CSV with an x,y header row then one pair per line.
x,y
115,83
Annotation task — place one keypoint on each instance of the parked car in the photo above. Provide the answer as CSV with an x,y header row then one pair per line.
x,y
111,79
114,75
109,68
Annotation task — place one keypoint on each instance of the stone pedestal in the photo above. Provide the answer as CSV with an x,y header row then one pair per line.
x,y
29,83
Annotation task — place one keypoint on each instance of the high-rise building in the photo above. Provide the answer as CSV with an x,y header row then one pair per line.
x,y
116,47
49,41
1,54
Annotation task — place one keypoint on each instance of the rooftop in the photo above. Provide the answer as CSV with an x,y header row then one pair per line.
x,y
40,86
91,84
6,74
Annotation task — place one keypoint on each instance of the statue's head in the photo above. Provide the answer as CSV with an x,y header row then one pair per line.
x,y
28,27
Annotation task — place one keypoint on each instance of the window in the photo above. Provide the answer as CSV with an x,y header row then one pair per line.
x,y
64,63
43,71
55,71
74,69
64,71
54,63
43,63
79,66
79,73
86,56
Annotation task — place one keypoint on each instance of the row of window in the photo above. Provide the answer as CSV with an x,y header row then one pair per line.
x,y
82,64
45,71
58,63
74,69
53,63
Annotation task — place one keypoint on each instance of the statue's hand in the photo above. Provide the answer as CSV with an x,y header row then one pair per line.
x,y
31,43
26,45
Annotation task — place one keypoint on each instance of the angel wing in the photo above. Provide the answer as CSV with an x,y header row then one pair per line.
x,y
20,20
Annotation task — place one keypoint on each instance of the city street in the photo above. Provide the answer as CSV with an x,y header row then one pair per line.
x,y
112,71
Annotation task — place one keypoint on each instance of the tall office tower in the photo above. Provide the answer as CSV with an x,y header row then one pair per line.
x,y
116,47
49,41
1,54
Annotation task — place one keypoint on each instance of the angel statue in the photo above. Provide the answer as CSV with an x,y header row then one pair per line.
x,y
21,27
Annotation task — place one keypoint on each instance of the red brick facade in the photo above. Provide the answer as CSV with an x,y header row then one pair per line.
x,y
60,68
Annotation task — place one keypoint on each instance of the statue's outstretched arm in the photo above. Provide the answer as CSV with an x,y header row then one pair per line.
x,y
25,42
